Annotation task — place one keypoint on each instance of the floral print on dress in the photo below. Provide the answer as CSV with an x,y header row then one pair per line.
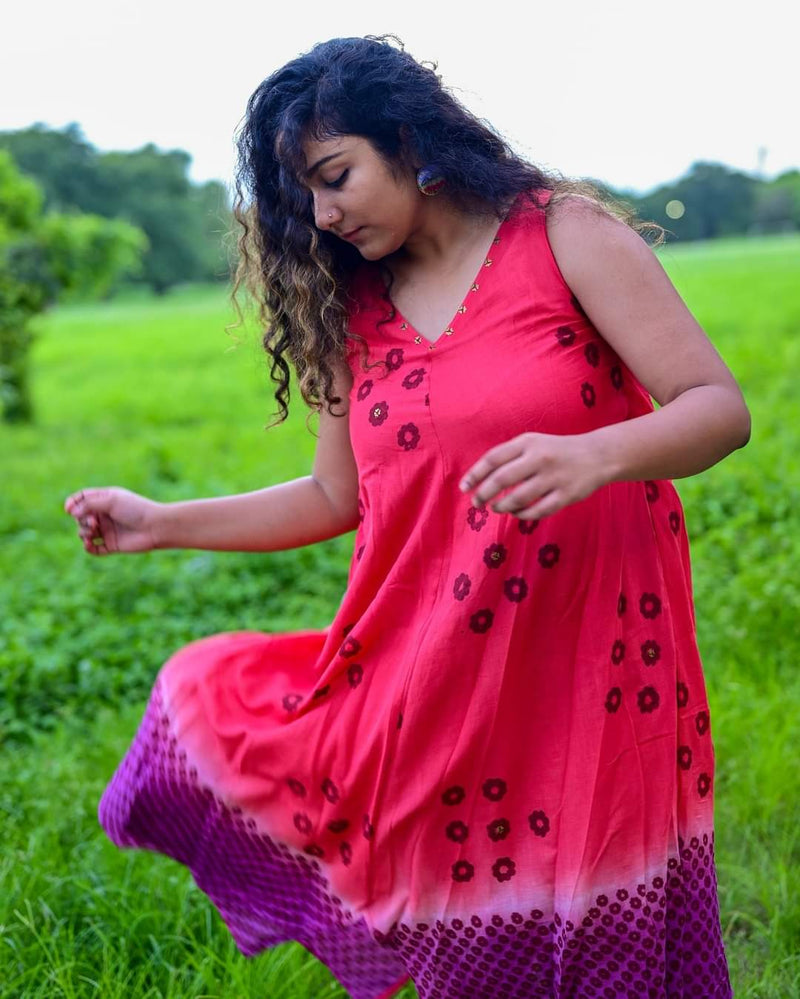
x,y
549,555
408,436
588,394
364,389
394,358
477,517
592,354
651,653
649,605
515,588
481,621
613,700
378,413
457,831
498,829
494,789
682,693
616,377
648,699
462,586
684,757
350,647
617,652
414,378
504,869
674,521
495,555
454,795
355,673
539,823
565,336
463,871
701,722
527,526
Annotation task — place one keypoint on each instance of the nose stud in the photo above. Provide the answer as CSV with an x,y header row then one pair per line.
x,y
330,215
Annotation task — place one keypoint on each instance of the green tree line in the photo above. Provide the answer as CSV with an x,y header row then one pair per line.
x,y
185,223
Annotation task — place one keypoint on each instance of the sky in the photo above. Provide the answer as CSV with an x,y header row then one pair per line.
x,y
629,93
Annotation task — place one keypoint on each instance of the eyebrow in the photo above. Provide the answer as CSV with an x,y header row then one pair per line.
x,y
325,159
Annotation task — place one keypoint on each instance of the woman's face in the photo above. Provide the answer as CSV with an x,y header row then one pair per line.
x,y
358,198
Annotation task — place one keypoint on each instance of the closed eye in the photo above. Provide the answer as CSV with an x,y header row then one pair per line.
x,y
339,180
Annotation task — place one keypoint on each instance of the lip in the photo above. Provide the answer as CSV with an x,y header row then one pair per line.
x,y
349,236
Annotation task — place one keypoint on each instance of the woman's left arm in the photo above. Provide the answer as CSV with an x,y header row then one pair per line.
x,y
634,306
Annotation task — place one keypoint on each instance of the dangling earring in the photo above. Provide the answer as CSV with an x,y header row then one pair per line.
x,y
430,180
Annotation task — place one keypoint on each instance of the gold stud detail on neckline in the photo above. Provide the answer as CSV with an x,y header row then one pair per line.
x,y
403,326
462,309
475,286
417,338
448,331
488,262
495,241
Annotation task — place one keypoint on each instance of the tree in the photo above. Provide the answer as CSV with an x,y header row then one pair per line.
x,y
42,257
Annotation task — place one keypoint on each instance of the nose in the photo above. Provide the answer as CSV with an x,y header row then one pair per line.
x,y
326,214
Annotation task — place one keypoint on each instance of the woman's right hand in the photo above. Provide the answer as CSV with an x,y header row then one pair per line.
x,y
112,520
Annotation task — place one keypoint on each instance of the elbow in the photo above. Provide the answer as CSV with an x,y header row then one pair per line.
x,y
743,428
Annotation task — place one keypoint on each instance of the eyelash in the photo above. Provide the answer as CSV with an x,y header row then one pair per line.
x,y
339,180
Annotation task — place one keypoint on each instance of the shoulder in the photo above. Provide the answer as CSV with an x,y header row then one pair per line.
x,y
591,244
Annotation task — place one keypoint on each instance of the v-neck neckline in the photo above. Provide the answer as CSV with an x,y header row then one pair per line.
x,y
408,329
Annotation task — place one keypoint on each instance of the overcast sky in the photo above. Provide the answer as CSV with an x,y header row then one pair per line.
x,y
627,92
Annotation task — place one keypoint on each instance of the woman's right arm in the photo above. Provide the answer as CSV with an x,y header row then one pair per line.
x,y
288,515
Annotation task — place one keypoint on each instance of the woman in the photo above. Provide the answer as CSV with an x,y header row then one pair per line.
x,y
493,773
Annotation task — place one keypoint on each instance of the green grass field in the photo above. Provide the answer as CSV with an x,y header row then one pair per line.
x,y
151,395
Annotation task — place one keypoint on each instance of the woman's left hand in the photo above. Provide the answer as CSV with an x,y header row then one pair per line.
x,y
552,471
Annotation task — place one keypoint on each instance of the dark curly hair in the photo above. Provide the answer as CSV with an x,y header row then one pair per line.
x,y
299,275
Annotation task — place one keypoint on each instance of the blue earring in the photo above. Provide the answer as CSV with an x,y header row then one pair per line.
x,y
430,180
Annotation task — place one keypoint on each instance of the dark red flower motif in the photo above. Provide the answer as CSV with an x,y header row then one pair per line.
x,y
296,787
292,701
651,653
495,555
350,647
613,700
313,850
364,389
338,825
394,358
504,869
548,556
651,491
477,517
587,394
617,652
527,526
592,354
330,790
622,604
649,605
622,894
539,822
683,694
457,831
321,692
427,401
408,436
360,552
355,672
366,828
515,588
302,823
565,336
494,788
347,629
481,621
379,413
453,795
498,829
347,853
684,757
616,377
674,521
462,586
701,722
463,871
703,785
413,378
648,699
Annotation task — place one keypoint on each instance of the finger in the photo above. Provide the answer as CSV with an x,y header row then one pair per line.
x,y
88,501
504,477
532,489
549,504
485,465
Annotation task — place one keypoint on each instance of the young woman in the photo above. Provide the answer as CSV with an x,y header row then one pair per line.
x,y
493,772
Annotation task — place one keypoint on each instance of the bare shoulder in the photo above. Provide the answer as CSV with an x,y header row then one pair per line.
x,y
584,236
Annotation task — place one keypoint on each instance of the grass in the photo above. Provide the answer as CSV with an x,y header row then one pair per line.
x,y
149,394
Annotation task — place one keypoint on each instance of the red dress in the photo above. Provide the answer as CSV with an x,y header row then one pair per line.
x,y
493,772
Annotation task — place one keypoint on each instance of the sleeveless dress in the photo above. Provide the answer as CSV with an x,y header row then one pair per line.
x,y
493,773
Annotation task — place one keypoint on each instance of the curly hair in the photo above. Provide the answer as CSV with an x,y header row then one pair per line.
x,y
298,275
